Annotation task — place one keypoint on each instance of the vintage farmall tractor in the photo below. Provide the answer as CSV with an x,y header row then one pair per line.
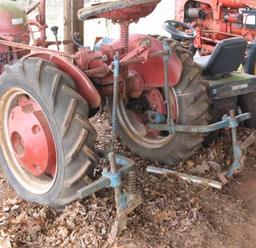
x,y
158,99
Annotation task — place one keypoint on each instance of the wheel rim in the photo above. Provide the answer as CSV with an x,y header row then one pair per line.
x,y
27,141
137,129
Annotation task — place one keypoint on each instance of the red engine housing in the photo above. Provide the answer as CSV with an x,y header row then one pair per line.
x,y
140,76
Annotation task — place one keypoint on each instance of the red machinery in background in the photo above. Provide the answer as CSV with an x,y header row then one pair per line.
x,y
18,28
215,20
14,28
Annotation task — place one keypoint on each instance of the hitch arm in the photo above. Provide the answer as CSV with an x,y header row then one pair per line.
x,y
225,123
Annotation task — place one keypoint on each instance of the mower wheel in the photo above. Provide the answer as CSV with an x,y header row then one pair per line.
x,y
192,108
45,135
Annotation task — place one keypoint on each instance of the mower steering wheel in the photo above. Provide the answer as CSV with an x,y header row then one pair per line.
x,y
179,30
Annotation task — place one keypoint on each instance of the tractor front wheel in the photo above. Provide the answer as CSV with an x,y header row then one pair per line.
x,y
45,134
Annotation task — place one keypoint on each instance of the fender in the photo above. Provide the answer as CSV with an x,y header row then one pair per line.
x,y
84,85
153,70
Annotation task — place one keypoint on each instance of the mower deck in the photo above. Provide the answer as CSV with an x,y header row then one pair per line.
x,y
232,85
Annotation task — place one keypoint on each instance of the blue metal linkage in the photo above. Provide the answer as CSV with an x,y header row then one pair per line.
x,y
125,202
108,180
166,59
114,178
228,121
155,117
225,123
116,72
119,167
237,151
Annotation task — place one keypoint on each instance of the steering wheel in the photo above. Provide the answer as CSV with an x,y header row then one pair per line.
x,y
179,30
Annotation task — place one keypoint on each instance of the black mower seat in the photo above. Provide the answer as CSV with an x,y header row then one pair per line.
x,y
227,56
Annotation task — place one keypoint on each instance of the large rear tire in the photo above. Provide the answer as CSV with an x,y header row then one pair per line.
x,y
66,114
193,109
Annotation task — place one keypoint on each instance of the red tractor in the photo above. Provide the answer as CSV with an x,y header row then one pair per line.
x,y
158,97
207,23
215,20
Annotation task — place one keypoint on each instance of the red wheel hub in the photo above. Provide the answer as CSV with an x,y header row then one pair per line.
x,y
31,138
157,103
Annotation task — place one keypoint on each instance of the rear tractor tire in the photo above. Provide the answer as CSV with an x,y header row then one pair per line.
x,y
191,96
46,138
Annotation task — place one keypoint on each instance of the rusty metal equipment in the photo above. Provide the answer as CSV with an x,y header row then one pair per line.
x,y
228,121
126,202
157,97
90,69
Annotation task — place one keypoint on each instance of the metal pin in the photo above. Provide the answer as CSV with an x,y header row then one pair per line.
x,y
185,177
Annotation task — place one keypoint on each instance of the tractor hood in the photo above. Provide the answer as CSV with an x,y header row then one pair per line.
x,y
13,21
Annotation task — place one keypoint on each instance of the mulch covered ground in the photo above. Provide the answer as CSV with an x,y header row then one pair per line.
x,y
174,213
